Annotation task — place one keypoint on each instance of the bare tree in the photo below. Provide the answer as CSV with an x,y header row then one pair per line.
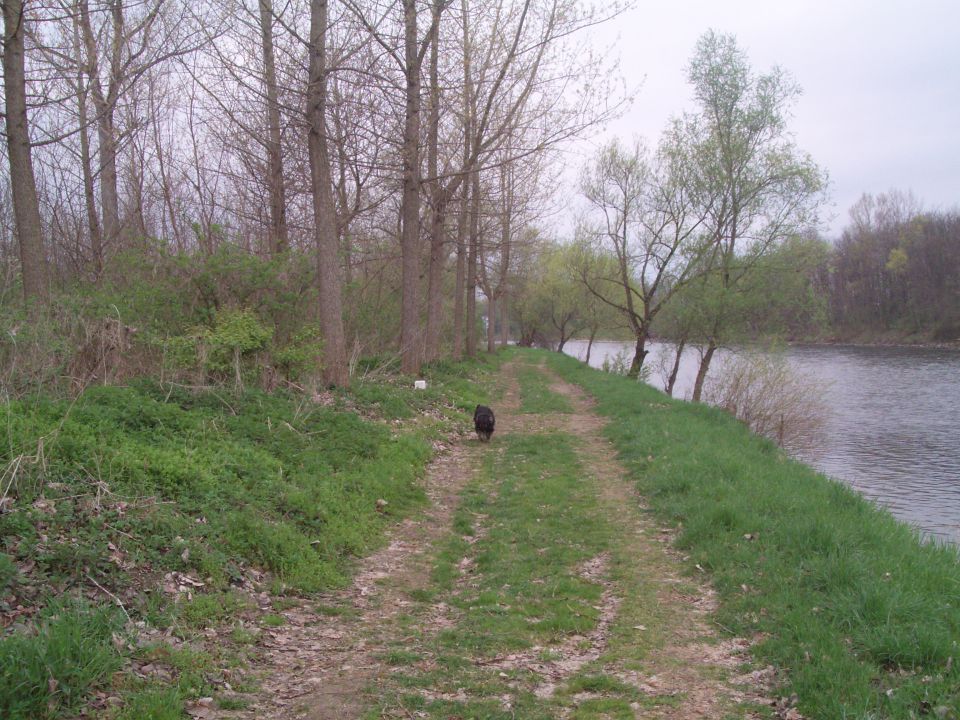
x,y
516,95
328,275
26,206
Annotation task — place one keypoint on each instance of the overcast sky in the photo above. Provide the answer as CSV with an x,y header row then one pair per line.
x,y
881,83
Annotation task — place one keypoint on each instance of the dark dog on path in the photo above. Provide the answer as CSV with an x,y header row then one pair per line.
x,y
483,421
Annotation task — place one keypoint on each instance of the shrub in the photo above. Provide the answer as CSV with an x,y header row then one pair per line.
x,y
620,365
763,392
302,356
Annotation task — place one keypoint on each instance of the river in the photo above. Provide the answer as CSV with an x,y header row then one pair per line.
x,y
892,427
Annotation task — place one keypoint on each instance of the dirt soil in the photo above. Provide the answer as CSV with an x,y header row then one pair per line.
x,y
320,666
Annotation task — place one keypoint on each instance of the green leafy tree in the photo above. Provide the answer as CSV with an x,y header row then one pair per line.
x,y
551,304
764,188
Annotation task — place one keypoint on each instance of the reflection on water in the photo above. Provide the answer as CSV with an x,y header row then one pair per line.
x,y
893,430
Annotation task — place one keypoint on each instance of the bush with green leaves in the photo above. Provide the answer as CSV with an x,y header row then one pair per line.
x,y
226,350
302,356
236,335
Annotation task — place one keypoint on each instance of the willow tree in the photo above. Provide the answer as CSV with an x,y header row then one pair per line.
x,y
651,218
767,190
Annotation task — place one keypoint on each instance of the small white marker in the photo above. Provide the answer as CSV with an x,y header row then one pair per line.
x,y
420,384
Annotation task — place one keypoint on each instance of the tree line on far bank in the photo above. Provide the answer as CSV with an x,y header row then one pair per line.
x,y
895,272
892,276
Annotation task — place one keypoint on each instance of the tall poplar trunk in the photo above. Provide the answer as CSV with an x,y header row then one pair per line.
x,y
491,322
463,218
438,199
104,107
89,192
107,151
86,167
324,213
461,281
410,350
435,279
279,237
472,241
506,236
26,207
504,321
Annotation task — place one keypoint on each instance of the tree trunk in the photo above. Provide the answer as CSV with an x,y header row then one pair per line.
x,y
504,321
593,335
165,180
279,238
435,280
137,165
104,107
491,322
702,371
86,167
438,198
324,213
639,355
473,240
89,192
458,299
675,370
26,207
463,217
109,195
410,350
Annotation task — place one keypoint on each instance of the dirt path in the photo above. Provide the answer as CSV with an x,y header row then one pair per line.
x,y
693,663
319,666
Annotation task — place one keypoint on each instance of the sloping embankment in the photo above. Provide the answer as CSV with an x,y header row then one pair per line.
x,y
149,529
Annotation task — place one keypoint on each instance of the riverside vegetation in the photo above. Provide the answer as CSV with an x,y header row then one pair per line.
x,y
862,617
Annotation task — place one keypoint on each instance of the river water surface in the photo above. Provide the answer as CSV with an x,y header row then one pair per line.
x,y
893,424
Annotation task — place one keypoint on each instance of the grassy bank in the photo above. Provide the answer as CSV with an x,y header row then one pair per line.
x,y
862,620
154,515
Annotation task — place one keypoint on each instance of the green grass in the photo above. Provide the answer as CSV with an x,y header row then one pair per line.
x,y
546,523
512,574
862,617
125,485
210,610
536,395
46,673
153,703
516,586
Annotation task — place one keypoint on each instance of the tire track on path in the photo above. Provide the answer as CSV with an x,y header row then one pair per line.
x,y
319,666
